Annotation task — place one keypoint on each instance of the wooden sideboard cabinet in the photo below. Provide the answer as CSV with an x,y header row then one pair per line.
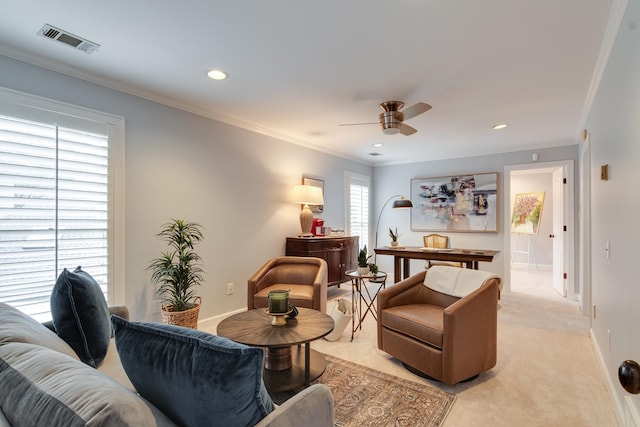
x,y
340,252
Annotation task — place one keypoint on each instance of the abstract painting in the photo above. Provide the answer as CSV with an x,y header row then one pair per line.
x,y
460,203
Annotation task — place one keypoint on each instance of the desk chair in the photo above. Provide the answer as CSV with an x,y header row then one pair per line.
x,y
440,242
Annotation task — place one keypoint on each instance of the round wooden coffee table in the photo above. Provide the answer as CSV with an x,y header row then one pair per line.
x,y
286,366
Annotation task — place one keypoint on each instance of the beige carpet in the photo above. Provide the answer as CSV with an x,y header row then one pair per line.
x,y
547,372
366,397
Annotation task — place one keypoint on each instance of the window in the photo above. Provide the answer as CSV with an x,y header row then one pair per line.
x,y
358,207
56,200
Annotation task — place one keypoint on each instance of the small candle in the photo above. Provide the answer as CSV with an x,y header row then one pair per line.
x,y
278,301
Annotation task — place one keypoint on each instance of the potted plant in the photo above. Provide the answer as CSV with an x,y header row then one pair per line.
x,y
394,236
363,261
373,269
177,272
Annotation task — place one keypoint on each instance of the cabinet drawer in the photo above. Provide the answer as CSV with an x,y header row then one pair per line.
x,y
318,244
297,246
333,244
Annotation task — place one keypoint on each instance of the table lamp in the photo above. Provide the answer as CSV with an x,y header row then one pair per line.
x,y
307,195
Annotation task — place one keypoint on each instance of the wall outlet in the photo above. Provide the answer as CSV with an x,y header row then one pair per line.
x,y
229,288
157,305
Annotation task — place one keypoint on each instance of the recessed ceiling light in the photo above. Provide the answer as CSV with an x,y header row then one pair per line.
x,y
378,144
217,75
500,126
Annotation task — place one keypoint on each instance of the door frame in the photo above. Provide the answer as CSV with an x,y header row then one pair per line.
x,y
559,219
568,206
584,213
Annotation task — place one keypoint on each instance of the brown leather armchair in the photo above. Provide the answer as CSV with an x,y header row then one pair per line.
x,y
444,337
304,277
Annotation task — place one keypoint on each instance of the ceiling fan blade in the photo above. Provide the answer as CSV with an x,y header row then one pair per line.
x,y
358,124
407,130
414,110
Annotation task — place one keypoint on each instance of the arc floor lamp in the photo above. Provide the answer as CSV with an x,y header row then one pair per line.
x,y
400,203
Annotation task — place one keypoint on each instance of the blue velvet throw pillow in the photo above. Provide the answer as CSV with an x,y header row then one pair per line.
x,y
81,315
194,377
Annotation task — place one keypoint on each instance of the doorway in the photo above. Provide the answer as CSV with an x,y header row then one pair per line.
x,y
541,263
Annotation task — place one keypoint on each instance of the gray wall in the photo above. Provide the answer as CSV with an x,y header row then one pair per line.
x,y
396,179
614,127
236,183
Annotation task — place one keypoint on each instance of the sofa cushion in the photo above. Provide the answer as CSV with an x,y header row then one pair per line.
x,y
43,387
81,316
215,378
15,326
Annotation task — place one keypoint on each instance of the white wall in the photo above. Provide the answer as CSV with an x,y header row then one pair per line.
x,y
614,126
236,183
396,179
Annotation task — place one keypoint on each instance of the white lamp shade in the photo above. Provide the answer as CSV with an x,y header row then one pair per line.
x,y
308,195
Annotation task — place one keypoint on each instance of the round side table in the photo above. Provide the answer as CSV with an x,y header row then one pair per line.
x,y
365,297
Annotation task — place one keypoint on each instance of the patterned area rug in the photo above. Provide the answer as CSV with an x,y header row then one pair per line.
x,y
366,397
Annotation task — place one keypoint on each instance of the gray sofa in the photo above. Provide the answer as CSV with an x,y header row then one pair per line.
x,y
43,382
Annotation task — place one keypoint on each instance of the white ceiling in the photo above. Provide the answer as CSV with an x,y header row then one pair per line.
x,y
297,69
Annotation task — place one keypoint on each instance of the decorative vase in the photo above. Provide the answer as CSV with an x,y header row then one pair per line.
x,y
394,243
363,271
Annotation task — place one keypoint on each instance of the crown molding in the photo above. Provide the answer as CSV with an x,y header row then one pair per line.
x,y
66,70
618,8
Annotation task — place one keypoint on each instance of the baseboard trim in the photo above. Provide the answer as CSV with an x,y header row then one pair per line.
x,y
210,324
619,407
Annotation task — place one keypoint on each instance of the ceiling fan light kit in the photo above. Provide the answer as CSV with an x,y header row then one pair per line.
x,y
392,119
390,130
389,124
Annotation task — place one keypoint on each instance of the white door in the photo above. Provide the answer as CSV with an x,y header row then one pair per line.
x,y
559,264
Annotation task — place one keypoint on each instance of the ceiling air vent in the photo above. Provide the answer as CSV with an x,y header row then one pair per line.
x,y
53,33
375,154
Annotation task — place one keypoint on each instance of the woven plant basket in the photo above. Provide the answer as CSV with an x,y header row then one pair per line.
x,y
187,318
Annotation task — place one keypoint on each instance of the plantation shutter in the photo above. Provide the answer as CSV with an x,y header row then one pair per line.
x,y
358,203
53,208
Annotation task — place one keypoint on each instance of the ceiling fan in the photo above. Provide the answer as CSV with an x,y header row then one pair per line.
x,y
391,119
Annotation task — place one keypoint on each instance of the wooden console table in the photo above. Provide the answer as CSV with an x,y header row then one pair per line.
x,y
402,255
340,252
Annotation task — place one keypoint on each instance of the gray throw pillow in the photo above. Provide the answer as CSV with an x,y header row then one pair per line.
x,y
15,326
81,315
194,377
41,387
